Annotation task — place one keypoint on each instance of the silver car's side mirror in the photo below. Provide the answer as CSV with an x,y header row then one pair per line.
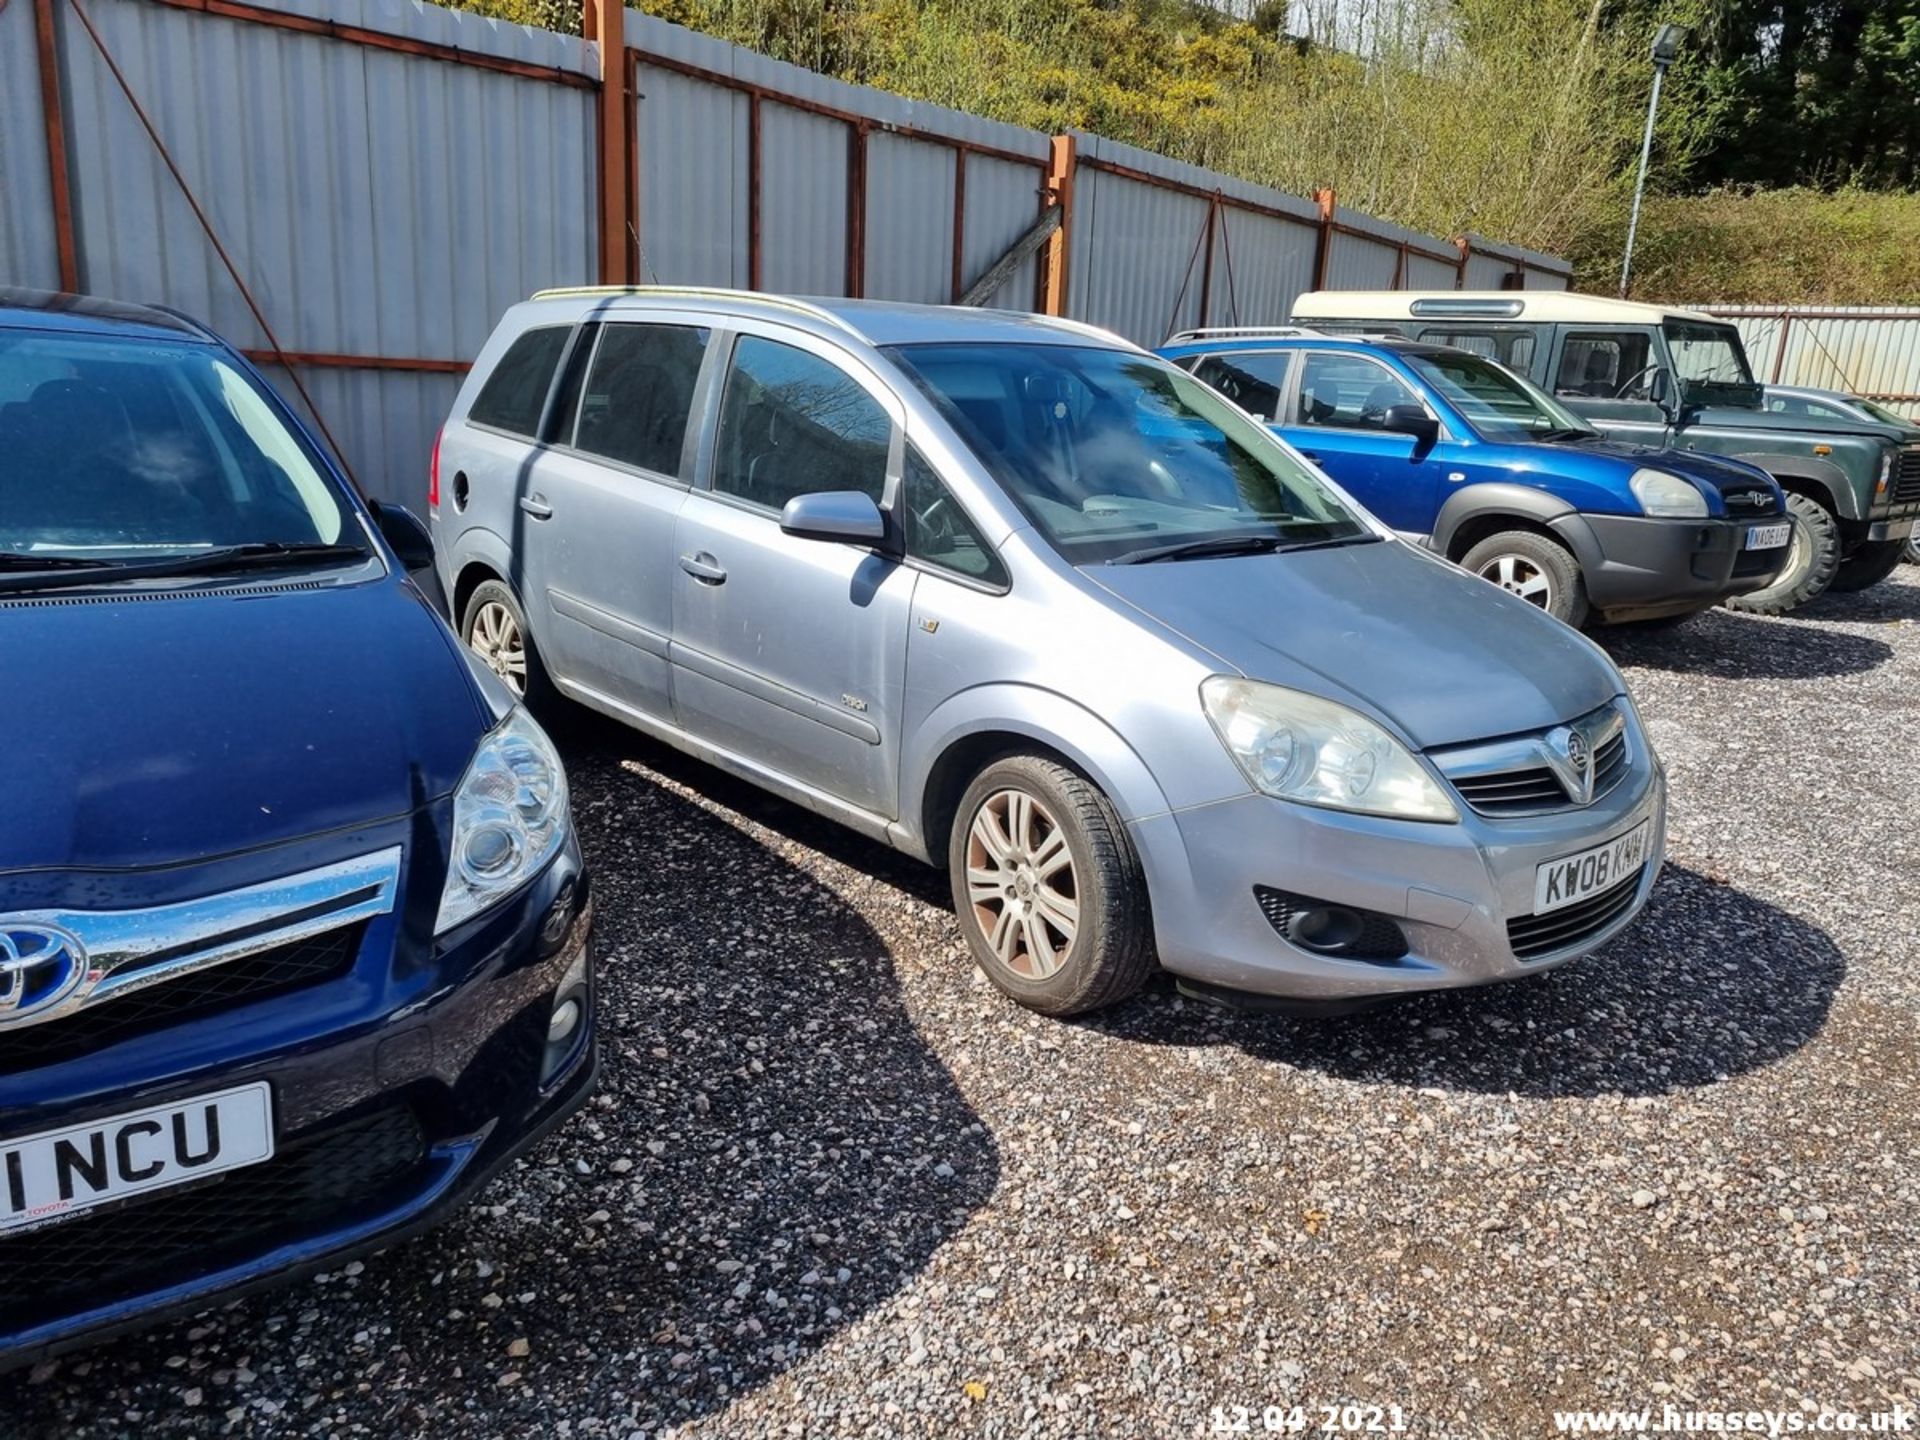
x,y
848,515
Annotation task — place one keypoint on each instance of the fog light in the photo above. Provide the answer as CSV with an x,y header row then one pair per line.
x,y
566,1019
1327,929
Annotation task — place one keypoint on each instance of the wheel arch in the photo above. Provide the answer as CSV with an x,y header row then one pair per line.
x,y
1818,480
1474,512
970,730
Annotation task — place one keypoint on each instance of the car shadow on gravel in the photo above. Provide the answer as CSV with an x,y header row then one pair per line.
x,y
1748,647
1889,602
1709,983
774,1152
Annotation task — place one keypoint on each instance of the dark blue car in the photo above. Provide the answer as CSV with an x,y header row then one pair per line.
x,y
1449,446
293,924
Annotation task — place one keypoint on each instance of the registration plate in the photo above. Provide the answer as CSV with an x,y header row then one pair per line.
x,y
58,1174
1571,878
1768,537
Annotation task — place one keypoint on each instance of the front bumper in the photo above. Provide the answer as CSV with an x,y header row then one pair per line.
x,y
385,1123
1641,567
1451,889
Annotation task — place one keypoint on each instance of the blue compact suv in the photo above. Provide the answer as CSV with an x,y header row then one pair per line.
x,y
293,924
1450,447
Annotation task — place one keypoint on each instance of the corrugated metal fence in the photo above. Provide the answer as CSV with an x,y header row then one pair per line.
x,y
385,177
1864,350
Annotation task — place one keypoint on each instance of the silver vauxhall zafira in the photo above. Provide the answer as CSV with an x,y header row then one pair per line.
x,y
1018,598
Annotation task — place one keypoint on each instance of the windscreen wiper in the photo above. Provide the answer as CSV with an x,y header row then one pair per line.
x,y
27,560
36,572
1201,549
1565,432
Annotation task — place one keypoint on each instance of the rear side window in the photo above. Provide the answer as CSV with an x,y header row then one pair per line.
x,y
1251,381
516,392
638,393
1512,348
793,424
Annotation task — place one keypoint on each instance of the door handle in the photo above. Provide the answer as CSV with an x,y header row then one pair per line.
x,y
704,568
538,508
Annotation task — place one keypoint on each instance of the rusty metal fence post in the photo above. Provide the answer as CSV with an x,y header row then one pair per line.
x,y
1323,245
1061,164
604,22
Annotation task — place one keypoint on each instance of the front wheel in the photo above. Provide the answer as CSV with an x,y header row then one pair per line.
x,y
494,627
1868,565
1813,557
1911,555
1049,892
1540,571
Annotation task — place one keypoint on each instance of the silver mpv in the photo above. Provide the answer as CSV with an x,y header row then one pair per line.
x,y
1018,598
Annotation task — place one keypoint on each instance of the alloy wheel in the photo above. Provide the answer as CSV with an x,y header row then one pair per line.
x,y
1022,884
496,639
1518,575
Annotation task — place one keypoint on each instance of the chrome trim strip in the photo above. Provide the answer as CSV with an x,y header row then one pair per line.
x,y
130,950
1544,751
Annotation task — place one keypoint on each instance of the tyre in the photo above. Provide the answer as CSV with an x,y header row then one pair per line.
x,y
1868,565
1049,892
1540,571
1911,555
494,627
1813,555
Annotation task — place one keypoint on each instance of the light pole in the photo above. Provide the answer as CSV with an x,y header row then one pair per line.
x,y
1666,45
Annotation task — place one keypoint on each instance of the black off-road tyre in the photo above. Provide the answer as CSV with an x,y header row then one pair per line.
x,y
1110,953
1867,566
1566,593
478,618
1813,558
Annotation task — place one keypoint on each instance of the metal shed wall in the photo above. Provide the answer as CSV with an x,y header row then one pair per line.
x,y
27,254
379,206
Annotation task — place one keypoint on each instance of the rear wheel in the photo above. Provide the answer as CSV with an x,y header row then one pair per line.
x,y
1813,556
1868,565
1912,553
495,628
1540,571
1048,890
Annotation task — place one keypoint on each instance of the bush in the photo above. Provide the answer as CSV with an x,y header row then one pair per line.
x,y
1790,246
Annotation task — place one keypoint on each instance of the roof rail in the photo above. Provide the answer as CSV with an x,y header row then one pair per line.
x,y
1275,332
698,292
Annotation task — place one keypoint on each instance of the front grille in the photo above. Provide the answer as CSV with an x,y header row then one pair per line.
x,y
278,971
1379,939
1609,764
1535,936
1513,792
1906,477
1751,501
1511,779
123,1249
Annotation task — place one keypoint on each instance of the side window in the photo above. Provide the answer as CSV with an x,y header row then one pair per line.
x,y
1349,392
516,392
1254,382
1604,365
938,530
794,424
638,392
1512,348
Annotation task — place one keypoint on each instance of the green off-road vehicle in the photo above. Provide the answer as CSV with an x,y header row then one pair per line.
x,y
1679,379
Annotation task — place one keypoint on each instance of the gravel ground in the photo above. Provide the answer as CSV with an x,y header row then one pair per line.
x,y
835,1186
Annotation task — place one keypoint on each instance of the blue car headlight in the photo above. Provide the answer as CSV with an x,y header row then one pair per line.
x,y
1667,495
509,819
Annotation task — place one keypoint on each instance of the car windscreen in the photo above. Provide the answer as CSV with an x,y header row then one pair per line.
x,y
1108,451
1499,405
1711,364
114,448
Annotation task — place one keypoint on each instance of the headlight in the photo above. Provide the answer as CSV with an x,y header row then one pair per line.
x,y
1299,747
1886,474
1662,494
509,818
